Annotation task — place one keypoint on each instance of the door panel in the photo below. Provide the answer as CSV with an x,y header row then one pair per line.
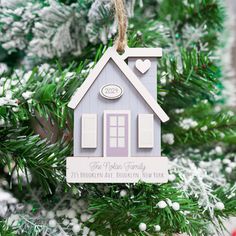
x,y
117,134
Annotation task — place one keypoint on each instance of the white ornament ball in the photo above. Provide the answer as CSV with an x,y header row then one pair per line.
x,y
176,206
71,213
123,193
59,213
171,177
220,206
86,231
226,161
157,228
65,222
222,135
163,94
130,230
74,221
161,204
168,138
142,226
204,128
228,170
163,80
50,215
84,217
218,150
76,228
92,233
232,165
52,223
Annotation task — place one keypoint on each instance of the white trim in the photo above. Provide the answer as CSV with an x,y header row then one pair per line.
x,y
141,52
82,90
104,133
140,88
117,112
112,54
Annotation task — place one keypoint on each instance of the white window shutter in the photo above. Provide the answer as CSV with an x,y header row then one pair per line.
x,y
145,131
89,131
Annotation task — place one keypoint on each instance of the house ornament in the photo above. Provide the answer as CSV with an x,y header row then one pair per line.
x,y
117,121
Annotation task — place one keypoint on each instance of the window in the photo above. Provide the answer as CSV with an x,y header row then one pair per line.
x,y
145,131
117,131
89,131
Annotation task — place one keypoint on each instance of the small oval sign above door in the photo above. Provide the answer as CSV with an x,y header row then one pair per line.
x,y
111,91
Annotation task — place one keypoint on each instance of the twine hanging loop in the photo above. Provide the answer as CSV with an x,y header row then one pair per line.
x,y
121,16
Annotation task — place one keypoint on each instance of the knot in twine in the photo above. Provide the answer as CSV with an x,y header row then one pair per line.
x,y
121,16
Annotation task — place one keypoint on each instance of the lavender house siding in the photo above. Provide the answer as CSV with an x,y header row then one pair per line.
x,y
149,79
93,102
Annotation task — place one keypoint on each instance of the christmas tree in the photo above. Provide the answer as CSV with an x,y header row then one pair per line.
x,y
47,49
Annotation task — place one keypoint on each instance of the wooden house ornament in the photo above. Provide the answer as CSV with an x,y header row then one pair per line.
x,y
117,121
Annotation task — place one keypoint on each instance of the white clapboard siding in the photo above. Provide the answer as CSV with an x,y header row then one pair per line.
x,y
89,131
145,131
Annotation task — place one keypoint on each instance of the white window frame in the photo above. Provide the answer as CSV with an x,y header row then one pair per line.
x,y
116,112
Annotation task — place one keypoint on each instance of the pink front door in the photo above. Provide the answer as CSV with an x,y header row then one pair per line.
x,y
117,134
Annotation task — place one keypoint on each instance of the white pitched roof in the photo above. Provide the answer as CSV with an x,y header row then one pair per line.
x,y
142,52
111,53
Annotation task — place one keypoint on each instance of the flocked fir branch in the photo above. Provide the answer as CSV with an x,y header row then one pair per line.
x,y
36,125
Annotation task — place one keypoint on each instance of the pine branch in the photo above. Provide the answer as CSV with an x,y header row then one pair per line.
x,y
6,230
140,205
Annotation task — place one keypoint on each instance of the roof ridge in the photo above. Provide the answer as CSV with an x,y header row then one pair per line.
x,y
112,54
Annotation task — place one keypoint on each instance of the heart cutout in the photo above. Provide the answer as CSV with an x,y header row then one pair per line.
x,y
143,66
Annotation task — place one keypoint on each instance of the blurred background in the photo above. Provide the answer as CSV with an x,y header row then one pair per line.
x,y
231,24
48,47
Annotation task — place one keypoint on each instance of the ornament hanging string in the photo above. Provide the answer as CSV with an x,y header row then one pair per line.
x,y
121,16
